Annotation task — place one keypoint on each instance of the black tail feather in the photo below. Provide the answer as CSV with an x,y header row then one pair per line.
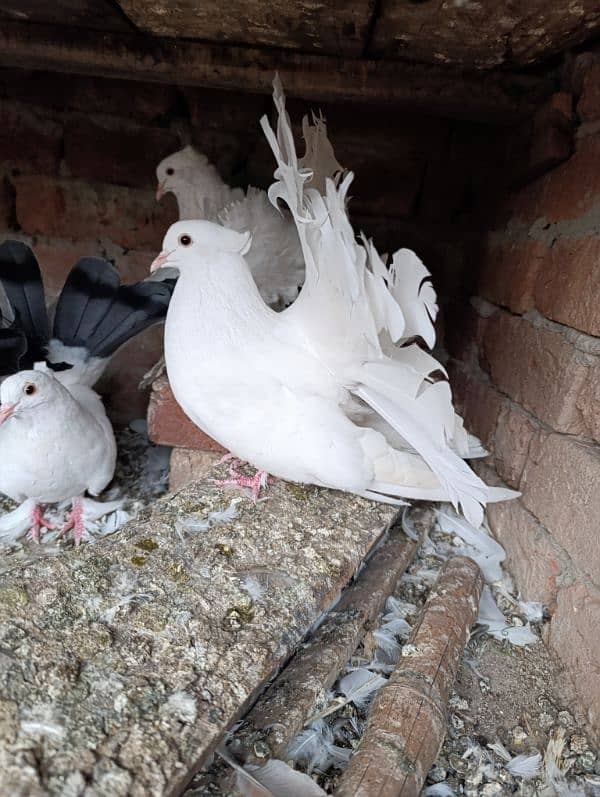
x,y
13,348
22,283
97,313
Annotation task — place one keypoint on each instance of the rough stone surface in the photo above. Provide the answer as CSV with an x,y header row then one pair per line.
x,y
509,272
515,431
538,368
561,487
573,635
123,663
188,465
532,557
588,107
568,284
168,424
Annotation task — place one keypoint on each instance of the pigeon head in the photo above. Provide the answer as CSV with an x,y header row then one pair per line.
x,y
25,391
188,241
180,170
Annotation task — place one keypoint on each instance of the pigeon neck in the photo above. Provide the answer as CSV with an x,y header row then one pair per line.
x,y
205,197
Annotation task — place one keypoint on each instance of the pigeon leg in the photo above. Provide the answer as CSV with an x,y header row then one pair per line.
x,y
74,521
38,522
255,483
228,458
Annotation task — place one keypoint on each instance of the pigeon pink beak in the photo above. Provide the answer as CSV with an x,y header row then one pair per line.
x,y
160,191
159,262
6,411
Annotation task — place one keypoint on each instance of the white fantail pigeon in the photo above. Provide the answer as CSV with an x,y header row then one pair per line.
x,y
275,257
332,391
56,441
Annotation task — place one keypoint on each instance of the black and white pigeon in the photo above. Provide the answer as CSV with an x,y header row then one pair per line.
x,y
275,257
56,441
333,391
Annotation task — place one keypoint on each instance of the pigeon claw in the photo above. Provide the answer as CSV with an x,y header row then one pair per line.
x,y
38,522
255,483
74,522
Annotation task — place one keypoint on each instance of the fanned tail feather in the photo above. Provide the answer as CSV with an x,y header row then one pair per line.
x,y
95,314
22,295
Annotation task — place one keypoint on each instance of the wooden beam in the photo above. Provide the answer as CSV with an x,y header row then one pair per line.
x,y
499,97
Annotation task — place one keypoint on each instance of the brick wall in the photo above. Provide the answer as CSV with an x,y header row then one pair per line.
x,y
77,177
526,373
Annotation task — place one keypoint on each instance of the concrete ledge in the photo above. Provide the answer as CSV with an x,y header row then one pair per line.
x,y
122,663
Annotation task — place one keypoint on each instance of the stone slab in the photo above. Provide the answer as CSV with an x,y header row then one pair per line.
x,y
122,663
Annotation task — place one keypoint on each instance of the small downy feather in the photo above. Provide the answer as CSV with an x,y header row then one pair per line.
x,y
280,780
525,766
193,524
439,790
15,524
358,686
497,626
315,747
479,546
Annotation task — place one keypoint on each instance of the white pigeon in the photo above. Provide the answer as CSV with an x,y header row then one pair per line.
x,y
275,257
331,391
55,444
56,441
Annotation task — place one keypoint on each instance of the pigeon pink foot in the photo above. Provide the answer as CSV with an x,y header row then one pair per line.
x,y
74,522
255,483
38,522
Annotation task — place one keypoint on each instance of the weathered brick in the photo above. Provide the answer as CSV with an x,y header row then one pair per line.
x,y
537,368
588,106
62,91
57,257
72,210
568,284
478,403
532,557
188,465
7,204
551,138
567,192
29,144
123,154
573,635
509,271
120,383
168,424
464,332
514,433
561,487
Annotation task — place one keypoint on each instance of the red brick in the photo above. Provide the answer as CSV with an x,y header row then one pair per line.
x,y
120,154
537,368
567,192
72,210
62,91
568,284
509,271
120,384
477,402
588,107
573,635
464,332
515,431
532,557
561,487
170,426
28,143
57,258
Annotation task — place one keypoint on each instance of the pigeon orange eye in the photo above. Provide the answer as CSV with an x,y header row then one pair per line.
x,y
170,171
29,390
185,240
